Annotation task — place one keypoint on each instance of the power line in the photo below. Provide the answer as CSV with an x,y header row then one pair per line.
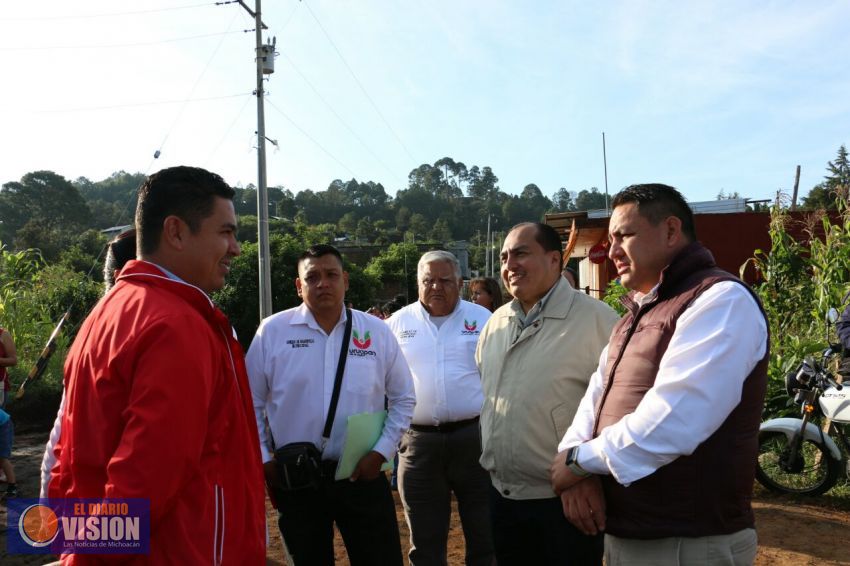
x,y
281,29
359,84
341,120
138,104
227,132
309,137
104,14
114,45
195,85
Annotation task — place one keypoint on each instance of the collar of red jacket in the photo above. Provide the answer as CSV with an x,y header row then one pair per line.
x,y
144,272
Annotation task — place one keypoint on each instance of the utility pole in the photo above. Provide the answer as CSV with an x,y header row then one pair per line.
x,y
605,164
796,187
487,253
265,65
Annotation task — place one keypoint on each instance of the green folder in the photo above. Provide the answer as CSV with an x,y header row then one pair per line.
x,y
362,432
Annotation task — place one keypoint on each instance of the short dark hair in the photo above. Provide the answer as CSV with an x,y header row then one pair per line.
x,y
185,192
319,250
545,235
118,252
655,202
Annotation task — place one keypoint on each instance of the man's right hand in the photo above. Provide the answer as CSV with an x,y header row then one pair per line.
x,y
584,505
272,481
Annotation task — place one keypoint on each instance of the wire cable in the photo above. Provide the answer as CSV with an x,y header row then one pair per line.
x,y
359,84
197,81
342,121
286,23
114,45
227,132
103,15
309,137
140,104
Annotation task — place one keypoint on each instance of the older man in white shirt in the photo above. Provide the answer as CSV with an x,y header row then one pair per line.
x,y
292,365
439,454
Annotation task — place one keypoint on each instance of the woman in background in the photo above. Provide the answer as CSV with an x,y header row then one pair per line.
x,y
485,291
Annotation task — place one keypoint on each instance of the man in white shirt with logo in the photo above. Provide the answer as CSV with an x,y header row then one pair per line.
x,y
439,454
292,366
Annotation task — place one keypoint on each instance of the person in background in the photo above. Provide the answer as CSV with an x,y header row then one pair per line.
x,y
7,436
8,358
292,364
571,276
536,355
118,252
158,404
662,453
439,454
485,291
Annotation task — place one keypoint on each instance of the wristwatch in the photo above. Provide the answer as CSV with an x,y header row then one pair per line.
x,y
573,465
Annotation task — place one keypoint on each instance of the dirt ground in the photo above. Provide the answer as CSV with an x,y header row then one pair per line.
x,y
791,531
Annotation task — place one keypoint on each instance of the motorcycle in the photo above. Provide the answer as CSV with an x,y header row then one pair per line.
x,y
796,455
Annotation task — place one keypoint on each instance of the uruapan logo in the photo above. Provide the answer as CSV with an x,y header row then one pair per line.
x,y
362,345
469,328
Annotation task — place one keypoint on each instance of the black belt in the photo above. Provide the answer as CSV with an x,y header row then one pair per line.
x,y
445,427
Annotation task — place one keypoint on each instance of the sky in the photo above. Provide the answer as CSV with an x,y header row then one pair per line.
x,y
705,96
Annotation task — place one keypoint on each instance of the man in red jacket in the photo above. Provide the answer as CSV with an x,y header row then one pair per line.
x,y
157,400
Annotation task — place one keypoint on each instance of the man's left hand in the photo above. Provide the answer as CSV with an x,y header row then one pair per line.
x,y
368,467
584,505
560,475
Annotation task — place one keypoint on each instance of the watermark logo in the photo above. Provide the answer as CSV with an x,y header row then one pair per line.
x,y
78,526
470,328
38,525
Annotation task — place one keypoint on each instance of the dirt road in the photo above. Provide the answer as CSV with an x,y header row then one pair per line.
x,y
791,531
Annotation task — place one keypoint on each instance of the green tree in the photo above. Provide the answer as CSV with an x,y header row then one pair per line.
x,y
590,200
239,298
562,201
836,184
440,232
49,203
396,263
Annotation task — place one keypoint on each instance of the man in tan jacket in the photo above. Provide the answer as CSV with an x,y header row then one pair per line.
x,y
536,355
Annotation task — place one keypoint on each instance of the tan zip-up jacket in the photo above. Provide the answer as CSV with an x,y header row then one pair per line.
x,y
533,381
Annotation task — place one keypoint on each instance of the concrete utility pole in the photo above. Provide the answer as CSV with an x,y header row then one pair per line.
x,y
265,65
605,164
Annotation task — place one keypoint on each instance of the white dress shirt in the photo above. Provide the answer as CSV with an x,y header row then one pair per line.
x,y
442,360
718,341
291,368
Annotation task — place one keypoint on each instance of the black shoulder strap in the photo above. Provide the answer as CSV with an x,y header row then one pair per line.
x,y
340,368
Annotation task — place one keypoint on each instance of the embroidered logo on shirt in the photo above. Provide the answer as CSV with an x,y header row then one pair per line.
x,y
303,343
406,334
470,328
361,345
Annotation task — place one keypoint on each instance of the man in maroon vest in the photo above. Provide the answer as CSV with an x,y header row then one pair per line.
x,y
661,454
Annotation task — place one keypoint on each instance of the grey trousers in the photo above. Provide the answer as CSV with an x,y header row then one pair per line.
x,y
736,549
432,465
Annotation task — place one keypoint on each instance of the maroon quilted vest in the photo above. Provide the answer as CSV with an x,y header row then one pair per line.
x,y
708,492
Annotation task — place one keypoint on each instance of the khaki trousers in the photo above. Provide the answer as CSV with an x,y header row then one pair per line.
x,y
736,549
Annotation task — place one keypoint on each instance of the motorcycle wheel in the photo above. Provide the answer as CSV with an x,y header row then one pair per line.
x,y
820,471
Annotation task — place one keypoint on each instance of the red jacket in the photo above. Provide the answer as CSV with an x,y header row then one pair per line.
x,y
158,406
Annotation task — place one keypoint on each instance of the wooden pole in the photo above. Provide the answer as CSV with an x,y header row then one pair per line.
x,y
796,186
